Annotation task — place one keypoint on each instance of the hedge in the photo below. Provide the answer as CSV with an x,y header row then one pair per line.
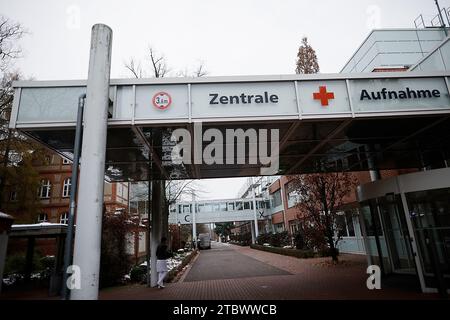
x,y
291,252
172,273
285,251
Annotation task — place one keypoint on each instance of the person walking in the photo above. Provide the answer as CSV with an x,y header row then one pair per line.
x,y
162,254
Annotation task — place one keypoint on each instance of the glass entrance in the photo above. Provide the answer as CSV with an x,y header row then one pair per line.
x,y
397,236
430,215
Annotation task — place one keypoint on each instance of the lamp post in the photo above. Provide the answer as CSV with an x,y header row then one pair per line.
x,y
179,235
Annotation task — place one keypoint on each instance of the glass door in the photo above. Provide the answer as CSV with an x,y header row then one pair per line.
x,y
430,215
397,236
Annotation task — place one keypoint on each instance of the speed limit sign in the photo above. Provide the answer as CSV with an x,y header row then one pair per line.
x,y
162,100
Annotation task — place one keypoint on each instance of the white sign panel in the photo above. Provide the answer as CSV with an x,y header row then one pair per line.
x,y
243,99
162,102
399,94
320,97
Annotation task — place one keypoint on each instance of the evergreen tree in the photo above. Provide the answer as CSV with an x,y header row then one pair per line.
x,y
306,59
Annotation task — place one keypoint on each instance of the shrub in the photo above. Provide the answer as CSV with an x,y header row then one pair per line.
x,y
280,239
173,273
263,238
114,262
16,263
138,274
243,239
326,252
284,251
299,241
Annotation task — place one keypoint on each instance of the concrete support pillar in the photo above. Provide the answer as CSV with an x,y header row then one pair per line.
x,y
92,170
375,173
194,222
155,235
252,229
255,212
165,213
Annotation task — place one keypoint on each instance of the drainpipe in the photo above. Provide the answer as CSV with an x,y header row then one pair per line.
x,y
68,248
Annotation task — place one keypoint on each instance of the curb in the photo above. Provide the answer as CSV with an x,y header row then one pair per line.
x,y
189,266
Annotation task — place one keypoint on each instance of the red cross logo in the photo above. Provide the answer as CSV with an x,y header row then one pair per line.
x,y
323,95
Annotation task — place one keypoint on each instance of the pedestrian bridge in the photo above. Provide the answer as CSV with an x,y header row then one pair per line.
x,y
216,211
342,121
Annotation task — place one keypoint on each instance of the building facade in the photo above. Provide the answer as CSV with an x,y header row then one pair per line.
x,y
53,193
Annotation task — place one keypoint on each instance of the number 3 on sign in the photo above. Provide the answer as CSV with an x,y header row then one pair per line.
x,y
162,100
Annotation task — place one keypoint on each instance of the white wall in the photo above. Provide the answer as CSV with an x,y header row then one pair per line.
x,y
393,48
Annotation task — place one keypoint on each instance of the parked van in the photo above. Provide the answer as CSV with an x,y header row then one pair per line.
x,y
204,241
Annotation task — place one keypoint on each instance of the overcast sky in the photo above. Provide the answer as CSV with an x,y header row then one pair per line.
x,y
231,37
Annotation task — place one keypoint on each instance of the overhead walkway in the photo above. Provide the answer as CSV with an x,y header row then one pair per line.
x,y
215,211
324,118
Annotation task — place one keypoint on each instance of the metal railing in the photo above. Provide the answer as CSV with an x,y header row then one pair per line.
x,y
435,21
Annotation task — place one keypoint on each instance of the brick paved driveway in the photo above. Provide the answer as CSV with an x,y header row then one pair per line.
x,y
223,262
280,277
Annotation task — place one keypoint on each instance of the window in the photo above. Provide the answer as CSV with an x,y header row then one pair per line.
x,y
371,229
239,205
230,206
66,161
292,195
350,226
276,198
187,208
64,218
246,205
341,224
42,217
66,187
48,159
294,226
44,190
13,195
279,227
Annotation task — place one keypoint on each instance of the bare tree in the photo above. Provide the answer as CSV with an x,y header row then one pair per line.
x,y
135,68
306,59
158,62
321,195
200,70
10,33
17,154
158,67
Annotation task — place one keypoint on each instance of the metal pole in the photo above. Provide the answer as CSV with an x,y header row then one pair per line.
x,y
92,170
441,18
149,232
68,248
157,189
194,223
179,235
254,210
